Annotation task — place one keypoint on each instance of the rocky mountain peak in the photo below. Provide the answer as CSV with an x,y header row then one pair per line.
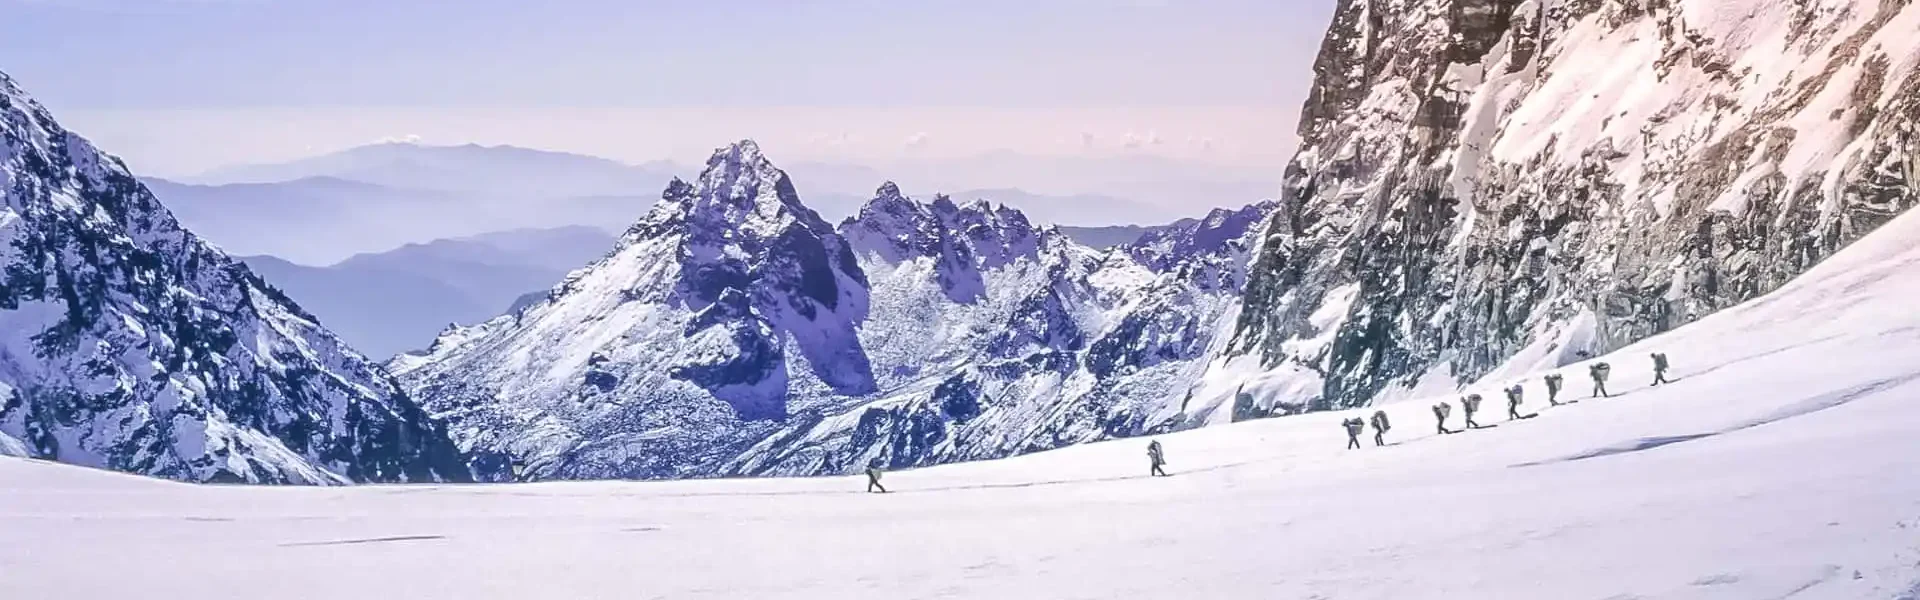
x,y
999,235
731,302
896,225
739,195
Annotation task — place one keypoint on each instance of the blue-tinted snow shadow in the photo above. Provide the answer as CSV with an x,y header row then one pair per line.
x,y
1808,406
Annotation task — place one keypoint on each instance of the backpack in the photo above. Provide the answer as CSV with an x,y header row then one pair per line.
x,y
1472,403
1660,361
1380,420
1600,371
1553,381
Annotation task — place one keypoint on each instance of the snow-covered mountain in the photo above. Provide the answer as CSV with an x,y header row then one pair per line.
x,y
732,331
128,343
390,302
1494,186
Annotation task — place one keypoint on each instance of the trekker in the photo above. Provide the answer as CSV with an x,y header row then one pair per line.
x,y
1156,459
1472,404
1660,368
1599,373
1380,427
1440,412
1554,380
1515,396
1354,427
873,479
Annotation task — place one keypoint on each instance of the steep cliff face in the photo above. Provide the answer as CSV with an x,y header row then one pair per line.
x,y
128,343
1492,185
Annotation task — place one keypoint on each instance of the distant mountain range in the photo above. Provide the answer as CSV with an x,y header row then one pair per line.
x,y
321,210
390,302
320,220
468,169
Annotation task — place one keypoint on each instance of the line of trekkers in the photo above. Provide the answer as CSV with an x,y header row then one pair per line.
x,y
1157,458
1471,403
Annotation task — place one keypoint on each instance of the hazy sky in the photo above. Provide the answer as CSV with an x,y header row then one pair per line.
x,y
179,86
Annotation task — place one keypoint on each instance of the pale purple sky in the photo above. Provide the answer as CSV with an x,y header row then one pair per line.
x,y
179,86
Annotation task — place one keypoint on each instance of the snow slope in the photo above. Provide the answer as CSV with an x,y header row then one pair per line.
x,y
1780,464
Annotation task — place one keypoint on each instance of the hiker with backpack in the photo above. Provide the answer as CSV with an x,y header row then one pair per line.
x,y
1156,459
1553,388
1440,412
1472,405
1514,398
1354,426
873,478
1380,427
1660,368
1599,373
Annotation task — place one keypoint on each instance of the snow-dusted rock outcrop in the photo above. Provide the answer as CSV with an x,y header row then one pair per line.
x,y
1490,185
733,332
128,343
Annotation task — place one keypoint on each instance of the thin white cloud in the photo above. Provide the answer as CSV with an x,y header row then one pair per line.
x,y
917,140
832,140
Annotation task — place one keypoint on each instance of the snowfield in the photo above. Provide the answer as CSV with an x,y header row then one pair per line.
x,y
1783,463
